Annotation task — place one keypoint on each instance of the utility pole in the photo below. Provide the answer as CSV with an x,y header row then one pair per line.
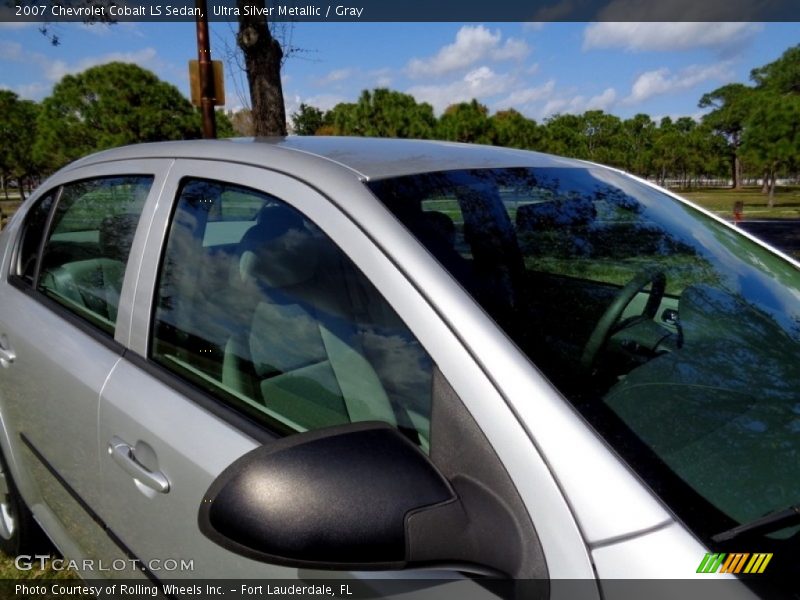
x,y
207,94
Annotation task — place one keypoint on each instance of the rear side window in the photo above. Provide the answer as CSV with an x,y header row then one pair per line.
x,y
35,224
84,258
262,310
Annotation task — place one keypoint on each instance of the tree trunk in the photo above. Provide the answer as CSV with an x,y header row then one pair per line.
x,y
765,182
21,184
737,172
262,59
771,201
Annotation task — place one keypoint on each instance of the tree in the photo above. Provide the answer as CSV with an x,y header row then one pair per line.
x,y
307,120
225,127
772,138
263,57
378,113
638,137
732,105
465,122
511,129
563,134
781,76
341,120
17,136
604,137
386,113
111,105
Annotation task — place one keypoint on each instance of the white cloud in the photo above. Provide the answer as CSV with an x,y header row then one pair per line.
x,y
480,83
335,76
546,100
11,51
667,36
472,44
569,104
521,98
513,49
663,81
602,101
55,70
32,91
533,26
323,101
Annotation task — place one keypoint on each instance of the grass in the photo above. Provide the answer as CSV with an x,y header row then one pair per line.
x,y
721,201
9,571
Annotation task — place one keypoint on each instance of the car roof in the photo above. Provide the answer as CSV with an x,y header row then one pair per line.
x,y
366,158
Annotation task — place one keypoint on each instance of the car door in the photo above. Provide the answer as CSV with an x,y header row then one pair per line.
x,y
67,279
256,316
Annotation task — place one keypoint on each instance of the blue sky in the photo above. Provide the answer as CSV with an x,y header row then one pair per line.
x,y
539,69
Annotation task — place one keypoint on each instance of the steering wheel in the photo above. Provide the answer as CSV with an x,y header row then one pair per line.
x,y
605,326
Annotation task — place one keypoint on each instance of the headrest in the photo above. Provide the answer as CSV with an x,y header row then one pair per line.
x,y
558,213
280,250
116,236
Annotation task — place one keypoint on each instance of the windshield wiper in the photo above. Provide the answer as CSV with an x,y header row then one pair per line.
x,y
772,522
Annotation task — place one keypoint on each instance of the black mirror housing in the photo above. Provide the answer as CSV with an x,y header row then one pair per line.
x,y
336,498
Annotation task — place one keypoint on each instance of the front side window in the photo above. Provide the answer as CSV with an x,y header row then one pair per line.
x,y
90,237
677,338
256,305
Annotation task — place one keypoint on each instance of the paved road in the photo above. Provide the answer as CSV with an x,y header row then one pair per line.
x,y
781,233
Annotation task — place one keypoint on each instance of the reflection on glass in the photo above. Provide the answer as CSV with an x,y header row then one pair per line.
x,y
702,394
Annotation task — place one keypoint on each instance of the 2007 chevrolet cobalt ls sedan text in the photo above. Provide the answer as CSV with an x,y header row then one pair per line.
x,y
281,357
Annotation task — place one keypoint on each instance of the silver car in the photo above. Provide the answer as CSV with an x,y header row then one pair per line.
x,y
317,357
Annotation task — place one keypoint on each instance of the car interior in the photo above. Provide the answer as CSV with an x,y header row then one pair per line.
x,y
282,322
91,285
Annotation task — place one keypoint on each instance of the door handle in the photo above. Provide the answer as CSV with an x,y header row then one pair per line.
x,y
123,455
7,355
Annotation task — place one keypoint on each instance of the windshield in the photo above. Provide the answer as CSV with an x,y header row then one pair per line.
x,y
676,337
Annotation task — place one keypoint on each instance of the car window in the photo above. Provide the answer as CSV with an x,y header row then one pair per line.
x,y
676,337
84,258
256,305
31,239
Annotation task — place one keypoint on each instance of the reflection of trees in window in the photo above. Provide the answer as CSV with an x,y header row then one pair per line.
x,y
603,234
85,204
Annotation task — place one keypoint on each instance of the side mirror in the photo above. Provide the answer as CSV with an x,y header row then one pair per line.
x,y
338,498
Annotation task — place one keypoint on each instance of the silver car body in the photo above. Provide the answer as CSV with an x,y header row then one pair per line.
x,y
71,394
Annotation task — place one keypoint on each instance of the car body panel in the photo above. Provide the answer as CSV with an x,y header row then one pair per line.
x,y
51,392
592,514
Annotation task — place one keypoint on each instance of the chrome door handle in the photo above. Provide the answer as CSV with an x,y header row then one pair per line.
x,y
7,355
123,455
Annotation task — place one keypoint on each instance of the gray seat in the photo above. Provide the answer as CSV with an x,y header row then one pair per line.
x,y
300,352
95,284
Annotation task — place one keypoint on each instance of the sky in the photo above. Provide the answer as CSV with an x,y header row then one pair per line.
x,y
539,69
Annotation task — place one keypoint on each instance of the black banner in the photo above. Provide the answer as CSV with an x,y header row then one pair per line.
x,y
406,11
712,588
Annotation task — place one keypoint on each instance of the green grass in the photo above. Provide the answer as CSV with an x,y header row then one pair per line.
x,y
721,201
